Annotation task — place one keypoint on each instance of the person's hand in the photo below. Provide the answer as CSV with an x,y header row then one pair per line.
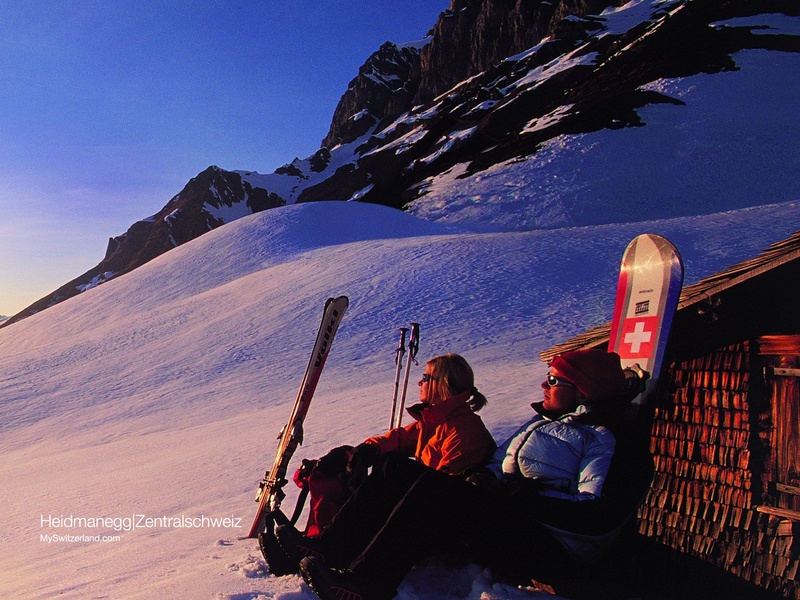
x,y
484,479
524,486
358,466
635,379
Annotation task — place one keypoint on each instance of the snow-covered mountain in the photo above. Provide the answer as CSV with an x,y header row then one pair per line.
x,y
578,112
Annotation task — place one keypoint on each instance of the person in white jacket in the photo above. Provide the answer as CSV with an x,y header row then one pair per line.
x,y
537,510
561,448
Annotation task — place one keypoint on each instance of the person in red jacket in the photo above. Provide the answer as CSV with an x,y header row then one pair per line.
x,y
446,435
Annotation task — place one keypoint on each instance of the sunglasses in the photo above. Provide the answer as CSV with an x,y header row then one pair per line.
x,y
554,381
427,378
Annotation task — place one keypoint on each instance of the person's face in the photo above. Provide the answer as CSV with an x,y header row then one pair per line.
x,y
425,388
560,395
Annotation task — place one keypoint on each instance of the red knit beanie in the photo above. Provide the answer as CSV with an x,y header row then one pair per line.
x,y
596,373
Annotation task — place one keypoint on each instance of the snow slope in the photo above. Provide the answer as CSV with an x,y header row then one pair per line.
x,y
155,399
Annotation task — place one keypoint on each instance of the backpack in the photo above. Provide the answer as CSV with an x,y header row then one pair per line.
x,y
325,481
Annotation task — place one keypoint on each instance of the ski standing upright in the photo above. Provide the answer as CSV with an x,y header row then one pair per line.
x,y
648,290
270,492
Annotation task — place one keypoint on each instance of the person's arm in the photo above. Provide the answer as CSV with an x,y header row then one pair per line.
x,y
506,450
464,448
399,439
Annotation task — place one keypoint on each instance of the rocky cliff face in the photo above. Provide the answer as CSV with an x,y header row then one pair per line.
x,y
383,90
473,35
580,77
468,38
209,200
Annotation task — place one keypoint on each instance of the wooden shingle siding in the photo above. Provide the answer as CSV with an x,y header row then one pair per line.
x,y
700,444
716,461
781,358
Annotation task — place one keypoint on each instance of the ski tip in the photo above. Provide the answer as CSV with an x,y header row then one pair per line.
x,y
341,302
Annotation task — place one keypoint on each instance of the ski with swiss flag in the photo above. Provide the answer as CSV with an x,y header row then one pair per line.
x,y
649,286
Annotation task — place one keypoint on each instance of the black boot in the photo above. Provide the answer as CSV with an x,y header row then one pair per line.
x,y
279,562
330,584
296,545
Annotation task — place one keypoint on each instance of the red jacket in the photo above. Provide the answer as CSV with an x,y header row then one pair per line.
x,y
448,436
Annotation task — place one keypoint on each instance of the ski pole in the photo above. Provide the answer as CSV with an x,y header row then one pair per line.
x,y
398,360
413,347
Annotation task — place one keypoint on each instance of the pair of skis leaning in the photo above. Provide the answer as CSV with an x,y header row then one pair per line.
x,y
399,396
270,492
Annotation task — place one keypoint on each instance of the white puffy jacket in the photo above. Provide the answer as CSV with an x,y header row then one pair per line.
x,y
570,458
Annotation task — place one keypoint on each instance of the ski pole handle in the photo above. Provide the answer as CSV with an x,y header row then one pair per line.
x,y
413,342
413,348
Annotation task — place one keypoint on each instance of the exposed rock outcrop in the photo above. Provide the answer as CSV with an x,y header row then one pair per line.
x,y
383,90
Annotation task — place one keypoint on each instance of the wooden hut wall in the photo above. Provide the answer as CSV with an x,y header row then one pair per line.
x,y
714,453
780,355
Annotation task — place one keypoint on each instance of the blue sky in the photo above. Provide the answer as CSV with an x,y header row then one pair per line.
x,y
107,109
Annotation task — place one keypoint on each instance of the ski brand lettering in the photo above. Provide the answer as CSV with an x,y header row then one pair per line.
x,y
327,338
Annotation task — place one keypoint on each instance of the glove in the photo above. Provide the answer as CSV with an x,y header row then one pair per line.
x,y
362,459
301,475
483,478
635,380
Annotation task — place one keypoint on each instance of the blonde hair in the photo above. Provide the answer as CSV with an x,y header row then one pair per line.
x,y
451,375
